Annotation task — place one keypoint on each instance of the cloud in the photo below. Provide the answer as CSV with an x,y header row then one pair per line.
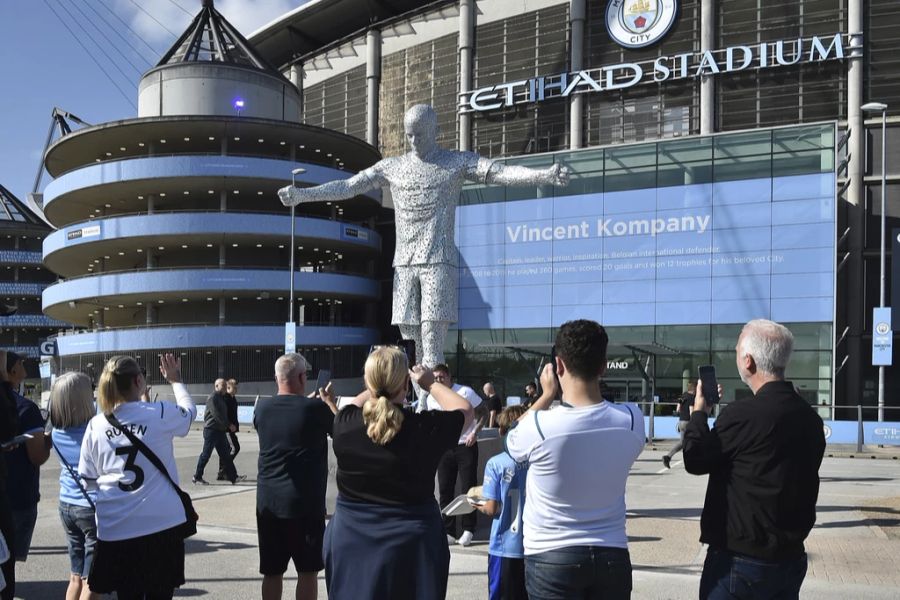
x,y
246,15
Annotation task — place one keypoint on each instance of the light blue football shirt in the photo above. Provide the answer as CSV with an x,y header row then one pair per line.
x,y
504,481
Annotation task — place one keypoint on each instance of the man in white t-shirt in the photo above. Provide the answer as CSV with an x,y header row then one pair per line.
x,y
579,455
460,462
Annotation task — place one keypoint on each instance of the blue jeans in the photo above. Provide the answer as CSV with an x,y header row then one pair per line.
x,y
80,525
216,439
579,572
728,575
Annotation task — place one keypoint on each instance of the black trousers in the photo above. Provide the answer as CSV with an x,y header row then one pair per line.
x,y
6,528
235,448
215,439
462,463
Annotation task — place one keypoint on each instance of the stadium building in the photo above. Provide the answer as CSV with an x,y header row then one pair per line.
x,y
725,169
170,236
22,280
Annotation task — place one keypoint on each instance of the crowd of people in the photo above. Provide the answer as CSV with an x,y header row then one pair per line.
x,y
555,495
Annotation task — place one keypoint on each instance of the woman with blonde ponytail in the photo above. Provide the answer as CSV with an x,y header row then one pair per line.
x,y
140,545
386,538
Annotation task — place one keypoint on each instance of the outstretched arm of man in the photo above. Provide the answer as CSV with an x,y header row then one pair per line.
x,y
327,192
556,174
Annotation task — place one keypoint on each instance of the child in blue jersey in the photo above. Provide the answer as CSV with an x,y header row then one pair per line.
x,y
504,494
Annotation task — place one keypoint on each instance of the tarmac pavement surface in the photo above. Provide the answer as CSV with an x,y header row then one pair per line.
x,y
854,549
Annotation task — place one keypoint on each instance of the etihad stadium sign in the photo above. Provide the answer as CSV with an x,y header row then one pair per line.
x,y
677,67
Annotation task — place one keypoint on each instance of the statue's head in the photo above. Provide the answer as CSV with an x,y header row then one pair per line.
x,y
421,126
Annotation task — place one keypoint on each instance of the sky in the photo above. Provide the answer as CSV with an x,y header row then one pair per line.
x,y
43,65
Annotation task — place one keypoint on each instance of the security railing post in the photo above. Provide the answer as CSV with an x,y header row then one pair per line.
x,y
860,433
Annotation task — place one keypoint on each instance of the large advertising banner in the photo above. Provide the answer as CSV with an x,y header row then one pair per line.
x,y
723,252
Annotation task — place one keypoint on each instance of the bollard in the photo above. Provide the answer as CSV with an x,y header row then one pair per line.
x,y
650,424
860,433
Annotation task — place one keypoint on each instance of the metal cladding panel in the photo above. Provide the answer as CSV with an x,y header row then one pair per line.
x,y
125,340
262,225
178,280
165,167
215,90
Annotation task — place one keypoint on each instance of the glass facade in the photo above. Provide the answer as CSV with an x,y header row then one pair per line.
x,y
338,103
521,47
644,112
674,297
795,94
424,74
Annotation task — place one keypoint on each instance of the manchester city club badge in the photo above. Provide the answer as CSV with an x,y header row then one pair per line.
x,y
639,23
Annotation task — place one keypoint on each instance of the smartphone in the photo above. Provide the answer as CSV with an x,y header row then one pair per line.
x,y
553,363
322,379
553,360
409,346
19,439
710,384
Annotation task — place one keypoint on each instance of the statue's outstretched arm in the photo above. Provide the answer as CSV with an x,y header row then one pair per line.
x,y
515,175
332,191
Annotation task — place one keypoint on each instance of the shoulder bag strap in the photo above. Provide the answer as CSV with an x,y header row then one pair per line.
x,y
74,475
140,445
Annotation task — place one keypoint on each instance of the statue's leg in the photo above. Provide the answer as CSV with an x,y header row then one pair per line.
x,y
434,335
439,309
406,314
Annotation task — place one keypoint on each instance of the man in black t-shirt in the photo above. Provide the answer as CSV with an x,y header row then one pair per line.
x,y
293,470
493,403
684,416
530,394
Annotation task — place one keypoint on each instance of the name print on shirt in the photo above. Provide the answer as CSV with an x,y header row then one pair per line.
x,y
134,428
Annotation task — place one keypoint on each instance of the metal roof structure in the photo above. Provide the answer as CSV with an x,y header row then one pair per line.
x,y
13,210
322,23
211,38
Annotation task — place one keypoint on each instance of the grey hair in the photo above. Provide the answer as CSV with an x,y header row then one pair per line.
x,y
289,366
769,343
71,400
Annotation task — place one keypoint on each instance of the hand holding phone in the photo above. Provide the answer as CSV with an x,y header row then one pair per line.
x,y
709,385
322,379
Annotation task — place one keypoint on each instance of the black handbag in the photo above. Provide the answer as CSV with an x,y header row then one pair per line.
x,y
189,527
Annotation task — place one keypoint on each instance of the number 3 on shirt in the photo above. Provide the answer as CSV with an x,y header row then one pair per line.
x,y
131,454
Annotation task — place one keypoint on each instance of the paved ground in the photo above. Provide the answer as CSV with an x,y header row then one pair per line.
x,y
853,550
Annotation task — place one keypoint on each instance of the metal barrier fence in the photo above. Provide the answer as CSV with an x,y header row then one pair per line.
x,y
205,365
858,431
657,427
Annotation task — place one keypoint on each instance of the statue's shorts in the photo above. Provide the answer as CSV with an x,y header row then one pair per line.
x,y
425,293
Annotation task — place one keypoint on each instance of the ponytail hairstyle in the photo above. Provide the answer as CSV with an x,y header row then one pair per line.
x,y
116,382
385,373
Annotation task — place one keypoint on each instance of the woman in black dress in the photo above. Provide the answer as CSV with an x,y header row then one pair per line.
x,y
386,538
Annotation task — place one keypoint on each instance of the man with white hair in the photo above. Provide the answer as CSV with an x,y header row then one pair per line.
x,y
763,458
291,480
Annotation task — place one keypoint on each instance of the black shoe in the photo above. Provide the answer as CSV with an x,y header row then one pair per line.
x,y
238,478
667,460
221,477
199,480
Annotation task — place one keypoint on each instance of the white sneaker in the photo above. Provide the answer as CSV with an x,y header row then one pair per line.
x,y
465,539
450,540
